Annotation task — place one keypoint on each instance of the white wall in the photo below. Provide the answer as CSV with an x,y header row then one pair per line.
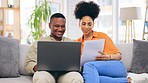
x,y
73,30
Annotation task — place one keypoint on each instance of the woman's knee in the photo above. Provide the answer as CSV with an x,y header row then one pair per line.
x,y
43,77
110,68
71,77
115,68
89,64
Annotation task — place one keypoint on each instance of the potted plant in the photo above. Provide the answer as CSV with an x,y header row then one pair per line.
x,y
41,13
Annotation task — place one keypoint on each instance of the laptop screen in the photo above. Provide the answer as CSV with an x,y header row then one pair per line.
x,y
58,56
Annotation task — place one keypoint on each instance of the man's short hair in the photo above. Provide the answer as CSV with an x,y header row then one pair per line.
x,y
57,15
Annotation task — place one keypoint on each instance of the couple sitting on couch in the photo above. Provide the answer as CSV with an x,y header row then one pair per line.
x,y
106,69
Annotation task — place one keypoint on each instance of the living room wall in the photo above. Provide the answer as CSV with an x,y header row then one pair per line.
x,y
104,22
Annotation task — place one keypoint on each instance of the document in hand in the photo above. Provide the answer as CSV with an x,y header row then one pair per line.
x,y
91,49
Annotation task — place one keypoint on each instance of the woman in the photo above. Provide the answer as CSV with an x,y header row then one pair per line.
x,y
107,68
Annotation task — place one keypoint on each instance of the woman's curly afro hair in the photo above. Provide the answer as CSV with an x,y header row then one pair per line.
x,y
86,9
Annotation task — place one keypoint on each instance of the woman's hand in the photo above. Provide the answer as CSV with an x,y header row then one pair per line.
x,y
103,56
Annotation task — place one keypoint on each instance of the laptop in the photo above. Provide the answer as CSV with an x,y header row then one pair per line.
x,y
58,56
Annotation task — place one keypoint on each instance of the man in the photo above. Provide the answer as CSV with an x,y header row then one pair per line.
x,y
57,26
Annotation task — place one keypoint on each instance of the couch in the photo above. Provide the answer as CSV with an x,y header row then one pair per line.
x,y
24,77
126,50
127,57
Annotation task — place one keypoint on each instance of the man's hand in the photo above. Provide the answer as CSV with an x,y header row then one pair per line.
x,y
103,56
35,68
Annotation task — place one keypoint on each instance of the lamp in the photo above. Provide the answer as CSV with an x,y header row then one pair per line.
x,y
9,28
129,14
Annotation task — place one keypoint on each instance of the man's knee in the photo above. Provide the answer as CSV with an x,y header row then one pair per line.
x,y
71,77
43,77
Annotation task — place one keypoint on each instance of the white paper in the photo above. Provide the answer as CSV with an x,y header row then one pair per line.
x,y
91,49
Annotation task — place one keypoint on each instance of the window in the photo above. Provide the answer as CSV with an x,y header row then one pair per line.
x,y
104,21
26,7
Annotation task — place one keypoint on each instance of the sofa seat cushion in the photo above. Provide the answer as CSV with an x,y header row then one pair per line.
x,y
21,79
138,78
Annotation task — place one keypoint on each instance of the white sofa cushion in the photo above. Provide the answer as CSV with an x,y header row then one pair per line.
x,y
21,79
127,54
139,78
23,54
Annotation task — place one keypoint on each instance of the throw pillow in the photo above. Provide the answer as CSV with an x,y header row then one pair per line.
x,y
9,57
140,56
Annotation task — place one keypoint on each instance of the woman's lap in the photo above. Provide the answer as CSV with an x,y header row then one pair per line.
x,y
113,69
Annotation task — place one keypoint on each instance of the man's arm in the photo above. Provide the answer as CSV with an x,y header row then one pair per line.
x,y
31,60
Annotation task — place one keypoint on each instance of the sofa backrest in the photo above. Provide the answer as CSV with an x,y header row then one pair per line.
x,y
127,54
23,54
126,50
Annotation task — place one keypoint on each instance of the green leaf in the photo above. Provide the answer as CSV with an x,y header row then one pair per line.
x,y
39,14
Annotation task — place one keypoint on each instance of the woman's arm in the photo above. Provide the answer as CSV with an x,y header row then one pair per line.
x,y
104,56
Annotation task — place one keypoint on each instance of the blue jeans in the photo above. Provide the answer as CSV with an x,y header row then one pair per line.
x,y
112,71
